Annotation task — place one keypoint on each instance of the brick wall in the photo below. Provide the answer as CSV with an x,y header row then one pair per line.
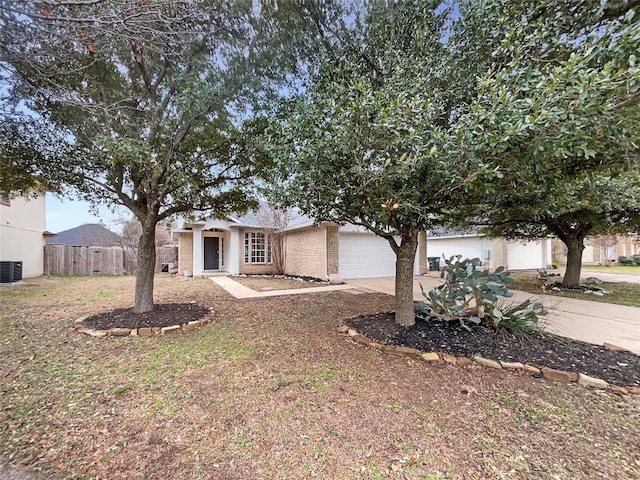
x,y
333,252
423,264
499,254
307,252
252,268
185,252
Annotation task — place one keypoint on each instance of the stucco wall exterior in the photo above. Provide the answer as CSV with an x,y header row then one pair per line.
x,y
22,223
307,252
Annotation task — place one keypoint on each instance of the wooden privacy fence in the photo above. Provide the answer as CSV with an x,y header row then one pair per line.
x,y
66,260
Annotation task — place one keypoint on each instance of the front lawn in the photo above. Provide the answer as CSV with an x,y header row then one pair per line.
x,y
625,269
621,293
271,390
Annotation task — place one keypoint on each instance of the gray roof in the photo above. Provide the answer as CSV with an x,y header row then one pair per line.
x,y
256,218
89,234
297,220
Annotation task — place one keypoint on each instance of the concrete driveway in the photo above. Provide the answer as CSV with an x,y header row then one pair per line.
x,y
593,322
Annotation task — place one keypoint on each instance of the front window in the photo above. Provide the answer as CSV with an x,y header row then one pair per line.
x,y
257,248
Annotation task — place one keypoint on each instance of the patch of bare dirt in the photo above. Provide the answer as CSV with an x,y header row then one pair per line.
x,y
162,315
539,349
263,283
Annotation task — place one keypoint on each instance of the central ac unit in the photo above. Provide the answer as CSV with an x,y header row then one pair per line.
x,y
10,272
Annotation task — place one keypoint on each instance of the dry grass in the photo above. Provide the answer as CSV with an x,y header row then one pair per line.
x,y
265,283
270,390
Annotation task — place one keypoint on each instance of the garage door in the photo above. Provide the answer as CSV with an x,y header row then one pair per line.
x,y
364,255
522,256
468,247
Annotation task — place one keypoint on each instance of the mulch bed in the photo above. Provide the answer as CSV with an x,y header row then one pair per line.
x,y
163,315
538,349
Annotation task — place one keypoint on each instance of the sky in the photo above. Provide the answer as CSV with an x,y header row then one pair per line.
x,y
65,214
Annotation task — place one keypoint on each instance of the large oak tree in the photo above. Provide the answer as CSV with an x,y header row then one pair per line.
x,y
145,100
368,142
559,112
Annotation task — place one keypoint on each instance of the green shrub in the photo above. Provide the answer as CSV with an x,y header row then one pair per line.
x,y
473,296
636,259
518,318
626,260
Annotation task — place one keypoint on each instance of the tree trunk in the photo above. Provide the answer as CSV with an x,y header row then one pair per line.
x,y
575,247
146,268
405,259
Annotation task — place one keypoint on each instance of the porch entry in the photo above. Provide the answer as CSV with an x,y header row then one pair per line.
x,y
212,253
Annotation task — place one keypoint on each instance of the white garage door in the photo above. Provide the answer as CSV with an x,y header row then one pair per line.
x,y
522,256
364,255
468,247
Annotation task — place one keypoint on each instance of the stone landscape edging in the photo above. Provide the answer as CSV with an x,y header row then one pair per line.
x,y
541,372
142,331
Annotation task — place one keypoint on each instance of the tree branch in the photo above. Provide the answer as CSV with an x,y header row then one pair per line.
x,y
619,9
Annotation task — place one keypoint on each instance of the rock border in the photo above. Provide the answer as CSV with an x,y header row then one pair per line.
x,y
538,372
142,331
299,278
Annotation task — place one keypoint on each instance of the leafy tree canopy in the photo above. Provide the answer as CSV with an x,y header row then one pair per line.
x,y
147,99
368,143
559,113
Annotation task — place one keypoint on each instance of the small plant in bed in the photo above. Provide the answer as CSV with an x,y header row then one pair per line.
x,y
473,296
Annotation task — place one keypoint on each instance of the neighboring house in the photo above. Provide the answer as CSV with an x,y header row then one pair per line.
x,y
494,252
22,233
607,249
89,234
240,246
89,249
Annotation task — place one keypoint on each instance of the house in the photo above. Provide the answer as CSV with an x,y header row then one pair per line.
x,y
89,234
22,235
606,249
494,252
239,245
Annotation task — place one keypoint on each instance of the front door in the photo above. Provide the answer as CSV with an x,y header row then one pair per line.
x,y
211,253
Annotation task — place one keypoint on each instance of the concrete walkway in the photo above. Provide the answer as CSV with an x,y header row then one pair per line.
x,y
240,291
593,322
